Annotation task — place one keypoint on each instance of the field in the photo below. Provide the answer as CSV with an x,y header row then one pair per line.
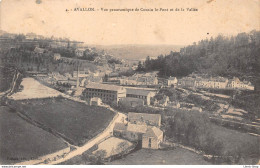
x,y
177,156
21,141
75,121
33,89
237,142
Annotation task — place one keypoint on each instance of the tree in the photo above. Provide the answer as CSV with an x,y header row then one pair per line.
x,y
122,146
140,67
98,157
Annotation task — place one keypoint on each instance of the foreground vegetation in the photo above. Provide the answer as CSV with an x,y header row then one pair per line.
x,y
75,121
177,156
21,141
194,129
6,76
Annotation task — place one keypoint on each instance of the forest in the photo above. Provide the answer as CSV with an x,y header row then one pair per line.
x,y
220,56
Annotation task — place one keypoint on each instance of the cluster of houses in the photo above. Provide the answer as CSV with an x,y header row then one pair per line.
x,y
215,82
141,127
147,79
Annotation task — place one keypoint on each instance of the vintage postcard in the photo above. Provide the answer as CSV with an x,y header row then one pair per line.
x,y
130,82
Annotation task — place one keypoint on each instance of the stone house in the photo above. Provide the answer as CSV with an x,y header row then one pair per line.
x,y
148,136
142,128
132,132
152,138
172,81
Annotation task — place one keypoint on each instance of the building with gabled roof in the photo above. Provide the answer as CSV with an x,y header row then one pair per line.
x,y
107,93
145,118
152,138
143,94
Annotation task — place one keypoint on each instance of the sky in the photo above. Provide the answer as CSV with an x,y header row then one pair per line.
x,y
50,18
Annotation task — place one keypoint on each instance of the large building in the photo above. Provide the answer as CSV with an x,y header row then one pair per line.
x,y
107,93
217,82
140,93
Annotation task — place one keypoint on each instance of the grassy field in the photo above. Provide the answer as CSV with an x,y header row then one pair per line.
x,y
237,142
20,141
75,121
177,156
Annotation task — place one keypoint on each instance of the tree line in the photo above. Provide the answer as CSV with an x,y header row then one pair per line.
x,y
224,56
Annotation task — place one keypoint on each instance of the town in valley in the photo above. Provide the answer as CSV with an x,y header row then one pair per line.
x,y
83,104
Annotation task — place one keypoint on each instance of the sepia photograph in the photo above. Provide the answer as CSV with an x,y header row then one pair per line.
x,y
130,82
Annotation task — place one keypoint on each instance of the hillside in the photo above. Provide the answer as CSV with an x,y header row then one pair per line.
x,y
221,56
138,52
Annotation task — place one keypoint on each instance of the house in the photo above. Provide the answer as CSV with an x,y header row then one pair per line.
x,y
174,104
119,129
172,81
131,101
197,109
140,93
152,138
247,85
235,83
90,78
95,101
56,56
141,128
186,82
144,118
216,83
131,132
80,74
79,52
107,93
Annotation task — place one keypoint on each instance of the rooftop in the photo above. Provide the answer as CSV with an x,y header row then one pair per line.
x,y
153,132
137,128
172,78
100,86
120,126
144,116
135,91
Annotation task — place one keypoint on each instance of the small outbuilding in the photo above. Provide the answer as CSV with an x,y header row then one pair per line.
x,y
95,101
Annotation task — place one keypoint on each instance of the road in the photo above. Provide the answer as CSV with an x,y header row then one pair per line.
x,y
29,92
80,150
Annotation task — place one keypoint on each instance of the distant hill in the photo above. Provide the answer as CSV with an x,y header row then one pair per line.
x,y
138,52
